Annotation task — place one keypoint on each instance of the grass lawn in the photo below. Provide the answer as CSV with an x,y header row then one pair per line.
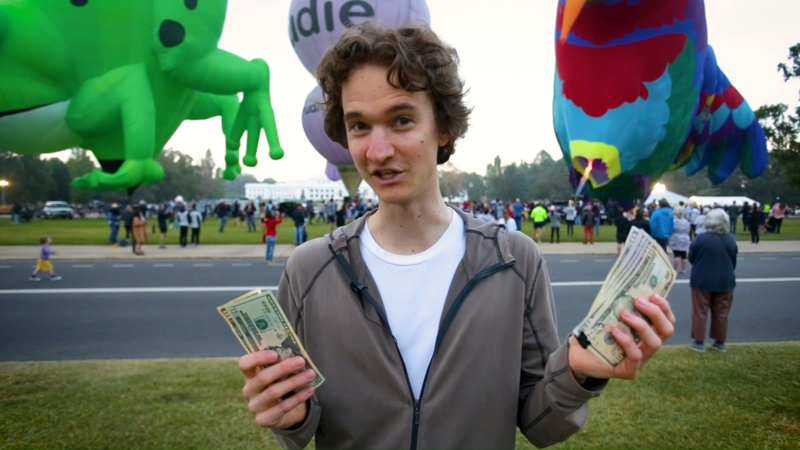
x,y
747,398
95,232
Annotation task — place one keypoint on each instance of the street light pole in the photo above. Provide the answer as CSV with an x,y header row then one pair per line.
x,y
3,184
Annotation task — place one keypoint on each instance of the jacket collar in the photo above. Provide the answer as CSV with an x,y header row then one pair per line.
x,y
487,243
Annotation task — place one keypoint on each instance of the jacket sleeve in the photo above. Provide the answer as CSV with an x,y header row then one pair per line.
x,y
300,435
553,406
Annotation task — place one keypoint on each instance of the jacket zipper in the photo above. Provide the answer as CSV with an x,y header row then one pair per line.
x,y
451,314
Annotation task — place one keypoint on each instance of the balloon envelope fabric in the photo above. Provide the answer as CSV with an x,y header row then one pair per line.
x,y
638,92
119,77
315,25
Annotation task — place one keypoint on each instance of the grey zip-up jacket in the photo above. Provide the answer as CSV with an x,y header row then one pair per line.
x,y
497,364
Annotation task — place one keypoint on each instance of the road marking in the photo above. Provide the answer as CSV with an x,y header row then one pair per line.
x,y
203,265
242,264
122,265
175,290
603,260
82,266
5,267
163,265
768,259
570,261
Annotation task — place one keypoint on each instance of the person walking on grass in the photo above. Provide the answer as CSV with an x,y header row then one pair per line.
x,y
389,306
330,214
163,226
539,216
661,223
113,217
570,213
195,222
555,225
733,213
519,210
778,213
222,210
623,224
140,229
713,279
250,215
587,219
299,217
183,223
271,221
43,263
754,224
680,240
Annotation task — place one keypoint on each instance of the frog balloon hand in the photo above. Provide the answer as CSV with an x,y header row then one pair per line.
x,y
132,173
255,113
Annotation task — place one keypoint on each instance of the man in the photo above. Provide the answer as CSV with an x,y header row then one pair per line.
x,y
733,214
114,217
661,223
163,217
330,213
539,217
518,209
195,222
745,215
433,329
299,217
16,210
222,210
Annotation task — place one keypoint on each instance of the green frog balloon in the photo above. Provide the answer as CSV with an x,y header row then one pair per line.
x,y
118,77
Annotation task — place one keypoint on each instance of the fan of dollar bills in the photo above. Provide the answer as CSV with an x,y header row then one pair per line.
x,y
642,269
258,321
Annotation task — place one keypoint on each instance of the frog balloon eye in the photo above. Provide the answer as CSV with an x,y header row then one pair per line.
x,y
79,3
171,33
190,4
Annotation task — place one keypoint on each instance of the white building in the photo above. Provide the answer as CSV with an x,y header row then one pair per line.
x,y
318,189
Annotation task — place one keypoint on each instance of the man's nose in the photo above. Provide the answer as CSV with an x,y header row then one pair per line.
x,y
380,145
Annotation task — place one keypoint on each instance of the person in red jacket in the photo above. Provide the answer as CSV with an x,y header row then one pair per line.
x,y
270,232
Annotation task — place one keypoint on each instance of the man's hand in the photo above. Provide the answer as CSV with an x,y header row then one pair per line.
x,y
585,364
266,384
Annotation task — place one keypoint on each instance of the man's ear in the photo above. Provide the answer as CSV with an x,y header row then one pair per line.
x,y
444,139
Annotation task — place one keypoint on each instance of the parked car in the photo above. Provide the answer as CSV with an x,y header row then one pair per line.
x,y
54,210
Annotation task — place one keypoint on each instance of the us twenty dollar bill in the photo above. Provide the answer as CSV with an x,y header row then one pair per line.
x,y
258,321
642,270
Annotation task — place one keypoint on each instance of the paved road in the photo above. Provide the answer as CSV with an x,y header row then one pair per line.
x,y
154,309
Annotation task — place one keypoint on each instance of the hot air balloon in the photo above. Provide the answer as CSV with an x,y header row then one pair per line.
x,y
314,27
638,92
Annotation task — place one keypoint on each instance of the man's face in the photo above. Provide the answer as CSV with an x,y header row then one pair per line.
x,y
392,136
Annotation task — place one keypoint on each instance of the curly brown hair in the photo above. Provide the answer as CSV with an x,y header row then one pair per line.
x,y
417,61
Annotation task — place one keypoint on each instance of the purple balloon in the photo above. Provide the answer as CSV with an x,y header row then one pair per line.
x,y
315,25
332,172
314,126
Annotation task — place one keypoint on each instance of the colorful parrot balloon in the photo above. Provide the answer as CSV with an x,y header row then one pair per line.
x,y
638,92
119,77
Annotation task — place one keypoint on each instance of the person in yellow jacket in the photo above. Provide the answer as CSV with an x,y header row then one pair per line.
x,y
539,215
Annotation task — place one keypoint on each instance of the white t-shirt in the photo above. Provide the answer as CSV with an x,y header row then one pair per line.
x,y
195,218
413,289
510,224
183,218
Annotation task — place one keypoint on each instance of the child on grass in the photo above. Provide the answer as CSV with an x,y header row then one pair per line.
x,y
44,261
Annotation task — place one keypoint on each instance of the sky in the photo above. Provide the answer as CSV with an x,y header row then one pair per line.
x,y
507,61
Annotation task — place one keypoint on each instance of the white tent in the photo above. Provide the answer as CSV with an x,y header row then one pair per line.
x,y
722,201
671,197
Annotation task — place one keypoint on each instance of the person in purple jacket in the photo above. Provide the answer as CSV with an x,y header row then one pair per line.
x,y
44,261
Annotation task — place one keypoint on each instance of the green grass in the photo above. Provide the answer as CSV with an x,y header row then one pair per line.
x,y
746,398
95,232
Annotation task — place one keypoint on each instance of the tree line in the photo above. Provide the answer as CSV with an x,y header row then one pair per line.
x,y
35,179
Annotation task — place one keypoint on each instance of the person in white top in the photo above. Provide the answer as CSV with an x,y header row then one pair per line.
x,y
508,221
183,222
195,221
413,244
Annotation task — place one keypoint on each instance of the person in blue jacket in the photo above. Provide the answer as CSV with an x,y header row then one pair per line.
x,y
661,223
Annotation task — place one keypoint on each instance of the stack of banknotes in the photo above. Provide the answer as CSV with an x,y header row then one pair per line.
x,y
258,321
642,269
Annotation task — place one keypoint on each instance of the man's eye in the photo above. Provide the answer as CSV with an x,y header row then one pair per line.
x,y
403,121
358,126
